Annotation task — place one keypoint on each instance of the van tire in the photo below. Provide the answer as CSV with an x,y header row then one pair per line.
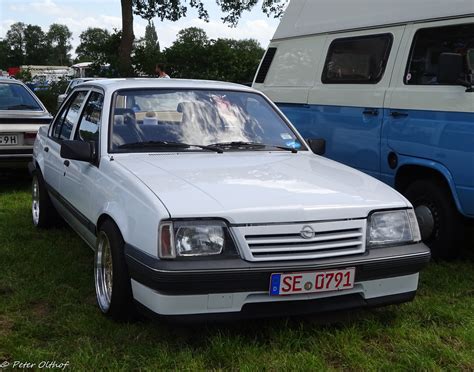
x,y
434,204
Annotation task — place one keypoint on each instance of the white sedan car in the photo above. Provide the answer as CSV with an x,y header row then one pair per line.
x,y
21,115
201,199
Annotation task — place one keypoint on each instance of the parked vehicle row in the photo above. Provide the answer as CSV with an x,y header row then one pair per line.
x,y
201,199
21,115
391,93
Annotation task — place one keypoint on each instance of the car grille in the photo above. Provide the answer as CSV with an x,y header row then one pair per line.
x,y
286,241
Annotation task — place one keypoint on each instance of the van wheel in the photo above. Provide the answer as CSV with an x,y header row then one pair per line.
x,y
43,213
440,223
112,281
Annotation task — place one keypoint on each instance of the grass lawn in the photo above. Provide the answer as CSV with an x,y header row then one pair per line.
x,y
48,312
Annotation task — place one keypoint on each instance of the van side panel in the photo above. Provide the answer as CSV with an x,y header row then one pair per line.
x,y
434,123
352,137
350,116
439,140
293,69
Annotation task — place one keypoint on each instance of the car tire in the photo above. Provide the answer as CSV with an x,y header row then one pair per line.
x,y
440,223
111,277
43,213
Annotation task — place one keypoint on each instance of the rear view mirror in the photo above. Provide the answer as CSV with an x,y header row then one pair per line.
x,y
317,145
78,150
450,68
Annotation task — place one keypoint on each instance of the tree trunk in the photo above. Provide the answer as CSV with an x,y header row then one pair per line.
x,y
126,43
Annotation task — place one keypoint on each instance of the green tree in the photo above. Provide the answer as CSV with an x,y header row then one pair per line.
x,y
234,60
188,56
92,47
35,45
15,38
4,51
59,42
147,51
110,57
194,56
174,10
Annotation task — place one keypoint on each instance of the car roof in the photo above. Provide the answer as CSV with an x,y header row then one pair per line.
x,y
111,85
11,81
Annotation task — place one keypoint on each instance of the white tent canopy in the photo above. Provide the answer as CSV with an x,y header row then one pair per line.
x,y
308,17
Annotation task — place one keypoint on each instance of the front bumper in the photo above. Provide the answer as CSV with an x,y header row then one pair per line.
x,y
233,286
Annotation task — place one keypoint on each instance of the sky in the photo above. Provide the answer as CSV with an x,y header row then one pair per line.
x,y
78,15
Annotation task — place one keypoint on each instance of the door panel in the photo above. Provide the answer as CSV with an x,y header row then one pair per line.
x,y
437,122
350,115
79,184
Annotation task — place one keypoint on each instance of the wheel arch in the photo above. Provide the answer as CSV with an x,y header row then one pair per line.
x,y
414,169
105,216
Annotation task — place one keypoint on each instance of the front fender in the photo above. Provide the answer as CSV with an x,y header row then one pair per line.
x,y
132,206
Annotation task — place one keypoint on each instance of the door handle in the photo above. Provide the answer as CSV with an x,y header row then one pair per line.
x,y
372,112
398,114
46,149
66,163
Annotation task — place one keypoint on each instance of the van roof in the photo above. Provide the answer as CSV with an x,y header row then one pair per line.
x,y
309,17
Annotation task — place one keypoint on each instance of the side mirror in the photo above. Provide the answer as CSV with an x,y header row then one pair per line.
x,y
317,145
78,150
450,68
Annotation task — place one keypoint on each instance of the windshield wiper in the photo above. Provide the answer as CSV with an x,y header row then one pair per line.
x,y
243,144
23,106
165,144
147,144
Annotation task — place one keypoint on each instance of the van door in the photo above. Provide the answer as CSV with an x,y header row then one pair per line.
x,y
429,121
347,100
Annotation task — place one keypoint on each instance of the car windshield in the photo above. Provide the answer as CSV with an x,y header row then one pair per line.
x,y
183,120
16,97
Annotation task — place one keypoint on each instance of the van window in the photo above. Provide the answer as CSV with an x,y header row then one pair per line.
x,y
429,43
357,60
265,65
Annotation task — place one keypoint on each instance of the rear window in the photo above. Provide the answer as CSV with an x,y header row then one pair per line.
x,y
357,60
17,97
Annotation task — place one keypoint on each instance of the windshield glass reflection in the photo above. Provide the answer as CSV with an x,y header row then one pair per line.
x,y
236,120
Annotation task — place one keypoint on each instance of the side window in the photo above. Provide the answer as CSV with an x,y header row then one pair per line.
x,y
59,121
429,43
62,127
357,60
265,65
72,115
89,124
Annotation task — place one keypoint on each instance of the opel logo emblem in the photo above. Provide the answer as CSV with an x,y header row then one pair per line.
x,y
307,232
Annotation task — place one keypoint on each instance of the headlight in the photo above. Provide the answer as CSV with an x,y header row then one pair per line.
x,y
195,239
392,227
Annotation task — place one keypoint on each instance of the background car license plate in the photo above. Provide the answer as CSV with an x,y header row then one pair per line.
x,y
311,282
8,139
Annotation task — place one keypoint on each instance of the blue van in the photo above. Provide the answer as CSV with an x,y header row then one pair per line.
x,y
388,86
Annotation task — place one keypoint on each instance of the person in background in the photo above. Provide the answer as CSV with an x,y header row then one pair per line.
x,y
160,71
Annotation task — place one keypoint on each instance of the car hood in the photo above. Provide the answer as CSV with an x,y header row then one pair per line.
x,y
259,187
